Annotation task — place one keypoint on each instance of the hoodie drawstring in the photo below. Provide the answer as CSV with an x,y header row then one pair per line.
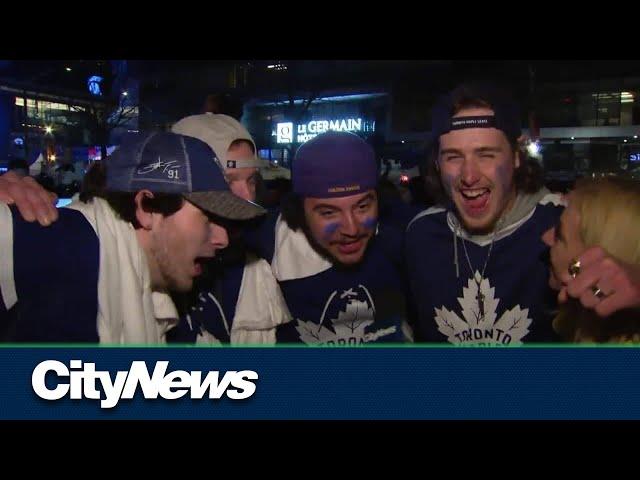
x,y
455,252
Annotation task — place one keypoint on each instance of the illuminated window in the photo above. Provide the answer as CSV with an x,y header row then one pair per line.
x,y
31,103
44,105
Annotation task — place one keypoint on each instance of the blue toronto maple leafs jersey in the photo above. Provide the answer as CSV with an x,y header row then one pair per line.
x,y
56,281
344,305
510,304
212,307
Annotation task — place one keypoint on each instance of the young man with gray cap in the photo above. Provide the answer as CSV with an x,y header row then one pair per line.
x,y
338,266
237,300
101,272
236,148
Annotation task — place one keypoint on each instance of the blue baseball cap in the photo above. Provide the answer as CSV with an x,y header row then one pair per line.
x,y
166,162
506,115
334,164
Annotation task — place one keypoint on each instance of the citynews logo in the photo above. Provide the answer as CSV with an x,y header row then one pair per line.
x,y
82,381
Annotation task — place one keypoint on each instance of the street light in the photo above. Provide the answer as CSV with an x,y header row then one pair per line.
x,y
534,149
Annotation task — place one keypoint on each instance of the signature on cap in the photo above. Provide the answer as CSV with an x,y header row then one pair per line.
x,y
170,168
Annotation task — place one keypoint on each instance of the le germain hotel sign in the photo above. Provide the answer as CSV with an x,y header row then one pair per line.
x,y
287,132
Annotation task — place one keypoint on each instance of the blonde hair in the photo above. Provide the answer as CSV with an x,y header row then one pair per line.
x,y
609,210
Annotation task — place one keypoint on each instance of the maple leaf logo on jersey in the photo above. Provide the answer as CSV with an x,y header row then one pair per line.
x,y
474,328
350,324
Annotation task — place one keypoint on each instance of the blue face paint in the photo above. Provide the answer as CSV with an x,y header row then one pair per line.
x,y
330,229
370,223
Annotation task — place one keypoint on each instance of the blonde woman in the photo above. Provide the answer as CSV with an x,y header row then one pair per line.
x,y
595,262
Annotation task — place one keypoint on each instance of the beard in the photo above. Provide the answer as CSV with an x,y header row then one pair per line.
x,y
327,255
